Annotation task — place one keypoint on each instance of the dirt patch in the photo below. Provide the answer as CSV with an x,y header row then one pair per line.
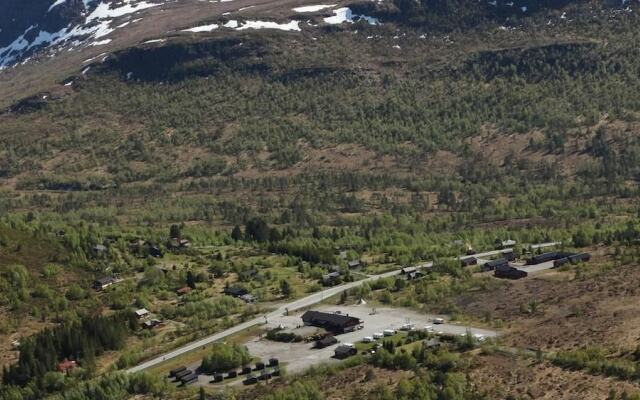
x,y
350,383
563,310
502,376
342,157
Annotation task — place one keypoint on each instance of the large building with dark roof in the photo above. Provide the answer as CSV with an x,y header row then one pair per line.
x,y
336,323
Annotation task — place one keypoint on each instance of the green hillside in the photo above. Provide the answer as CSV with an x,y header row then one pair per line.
x,y
453,124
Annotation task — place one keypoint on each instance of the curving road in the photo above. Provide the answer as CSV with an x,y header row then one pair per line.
x,y
292,306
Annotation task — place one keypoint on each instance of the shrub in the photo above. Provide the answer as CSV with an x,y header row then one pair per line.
x,y
224,357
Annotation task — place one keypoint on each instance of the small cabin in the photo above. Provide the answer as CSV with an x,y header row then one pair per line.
x,y
468,261
507,272
495,264
248,298
183,290
235,291
344,351
103,283
331,278
66,365
175,371
326,341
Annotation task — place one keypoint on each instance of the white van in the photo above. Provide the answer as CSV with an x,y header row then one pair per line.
x,y
378,335
389,332
367,339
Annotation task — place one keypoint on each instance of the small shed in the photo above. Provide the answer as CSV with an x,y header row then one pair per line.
x,y
331,278
344,351
142,313
155,251
508,255
431,344
546,257
580,257
66,365
235,291
174,371
326,341
187,379
560,262
182,373
183,290
248,298
103,283
152,323
408,270
264,375
468,261
354,264
508,243
494,264
507,272
250,380
99,248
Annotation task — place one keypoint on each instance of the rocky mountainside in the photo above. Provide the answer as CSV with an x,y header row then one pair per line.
x,y
44,43
27,26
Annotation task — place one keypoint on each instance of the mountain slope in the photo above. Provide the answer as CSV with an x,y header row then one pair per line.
x,y
54,38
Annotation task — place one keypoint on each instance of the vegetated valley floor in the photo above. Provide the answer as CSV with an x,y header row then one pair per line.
x,y
275,153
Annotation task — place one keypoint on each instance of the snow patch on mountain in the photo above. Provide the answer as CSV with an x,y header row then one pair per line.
x,y
289,26
308,9
97,24
234,24
202,28
56,4
345,14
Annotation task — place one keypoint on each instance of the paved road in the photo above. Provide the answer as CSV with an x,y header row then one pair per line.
x,y
486,253
308,301
292,306
542,245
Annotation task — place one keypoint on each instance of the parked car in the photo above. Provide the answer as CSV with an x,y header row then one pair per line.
x,y
378,335
407,327
479,337
389,332
367,339
438,321
250,380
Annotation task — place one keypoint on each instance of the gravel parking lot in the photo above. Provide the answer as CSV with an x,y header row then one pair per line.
x,y
300,356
